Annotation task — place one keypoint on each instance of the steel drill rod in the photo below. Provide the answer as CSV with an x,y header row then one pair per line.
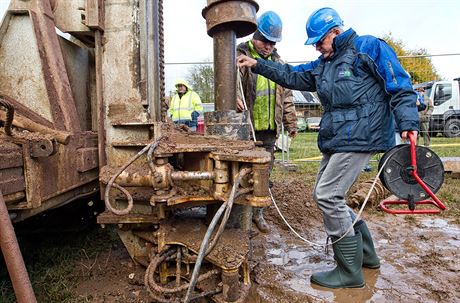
x,y
225,70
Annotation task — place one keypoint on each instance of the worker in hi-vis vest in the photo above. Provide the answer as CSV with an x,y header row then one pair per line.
x,y
269,104
185,106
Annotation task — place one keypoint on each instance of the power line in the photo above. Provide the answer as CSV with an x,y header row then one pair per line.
x,y
303,61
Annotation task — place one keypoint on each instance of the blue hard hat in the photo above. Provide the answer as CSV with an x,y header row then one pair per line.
x,y
270,26
320,22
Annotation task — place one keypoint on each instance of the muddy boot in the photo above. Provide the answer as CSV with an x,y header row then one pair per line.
x,y
258,218
348,253
370,258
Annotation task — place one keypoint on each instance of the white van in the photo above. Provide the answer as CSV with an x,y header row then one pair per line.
x,y
446,114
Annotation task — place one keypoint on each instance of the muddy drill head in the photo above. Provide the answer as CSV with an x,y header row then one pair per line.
x,y
225,21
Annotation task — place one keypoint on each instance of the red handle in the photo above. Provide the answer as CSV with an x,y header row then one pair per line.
x,y
413,146
436,202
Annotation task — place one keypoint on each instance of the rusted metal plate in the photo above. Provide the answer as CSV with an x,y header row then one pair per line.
x,y
57,83
15,198
77,64
230,252
10,155
250,156
41,148
12,180
87,159
110,218
68,16
11,168
122,80
95,14
177,141
190,200
19,52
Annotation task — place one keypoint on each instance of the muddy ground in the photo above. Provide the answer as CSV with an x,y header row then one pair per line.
x,y
419,254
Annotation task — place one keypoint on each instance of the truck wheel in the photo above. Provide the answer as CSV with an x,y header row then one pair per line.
x,y
452,128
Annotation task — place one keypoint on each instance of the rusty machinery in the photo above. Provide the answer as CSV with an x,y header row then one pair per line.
x,y
86,109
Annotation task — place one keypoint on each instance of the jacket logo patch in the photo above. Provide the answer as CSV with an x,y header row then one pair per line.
x,y
345,73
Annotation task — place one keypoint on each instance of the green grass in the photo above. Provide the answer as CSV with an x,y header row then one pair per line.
x,y
304,146
305,153
51,258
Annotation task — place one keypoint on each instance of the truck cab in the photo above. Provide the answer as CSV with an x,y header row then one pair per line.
x,y
445,118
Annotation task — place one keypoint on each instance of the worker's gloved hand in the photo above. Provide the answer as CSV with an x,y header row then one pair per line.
x,y
405,134
195,115
292,133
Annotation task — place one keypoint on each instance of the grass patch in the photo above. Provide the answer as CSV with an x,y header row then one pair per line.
x,y
304,147
51,257
305,153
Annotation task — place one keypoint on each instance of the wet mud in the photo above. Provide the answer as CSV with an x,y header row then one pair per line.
x,y
419,264
419,256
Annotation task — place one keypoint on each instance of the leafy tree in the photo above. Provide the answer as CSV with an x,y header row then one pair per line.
x,y
201,78
416,62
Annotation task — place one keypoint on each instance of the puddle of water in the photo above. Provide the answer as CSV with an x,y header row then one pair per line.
x,y
418,264
441,224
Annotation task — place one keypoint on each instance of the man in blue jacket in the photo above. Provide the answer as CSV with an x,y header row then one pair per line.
x,y
363,88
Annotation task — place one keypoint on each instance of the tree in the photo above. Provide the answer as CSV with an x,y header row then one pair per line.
x,y
201,78
416,62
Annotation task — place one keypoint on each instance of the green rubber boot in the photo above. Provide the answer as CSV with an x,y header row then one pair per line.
x,y
370,258
348,253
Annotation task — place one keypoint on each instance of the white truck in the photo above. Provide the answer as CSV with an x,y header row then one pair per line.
x,y
446,114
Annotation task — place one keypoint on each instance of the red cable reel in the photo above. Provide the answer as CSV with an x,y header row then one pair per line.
x,y
414,174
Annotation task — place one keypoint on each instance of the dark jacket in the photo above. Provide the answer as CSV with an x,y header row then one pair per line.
x,y
425,113
360,87
284,108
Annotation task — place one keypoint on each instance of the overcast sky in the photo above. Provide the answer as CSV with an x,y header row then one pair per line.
x,y
429,24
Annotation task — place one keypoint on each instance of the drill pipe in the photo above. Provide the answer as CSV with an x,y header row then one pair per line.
x,y
13,258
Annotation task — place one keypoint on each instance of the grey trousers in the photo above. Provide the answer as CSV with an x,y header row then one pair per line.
x,y
336,174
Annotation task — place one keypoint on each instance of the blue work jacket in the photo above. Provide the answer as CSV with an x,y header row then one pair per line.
x,y
360,87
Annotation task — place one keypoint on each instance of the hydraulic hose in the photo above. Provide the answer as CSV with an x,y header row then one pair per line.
x,y
155,289
111,183
204,250
9,115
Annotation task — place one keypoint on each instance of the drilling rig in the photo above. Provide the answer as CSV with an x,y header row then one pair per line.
x,y
83,109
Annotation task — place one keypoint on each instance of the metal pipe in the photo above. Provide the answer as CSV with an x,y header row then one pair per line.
x,y
62,137
13,258
231,285
225,70
101,138
192,175
137,179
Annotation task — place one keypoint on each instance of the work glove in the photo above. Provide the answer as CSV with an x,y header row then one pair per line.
x,y
195,115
